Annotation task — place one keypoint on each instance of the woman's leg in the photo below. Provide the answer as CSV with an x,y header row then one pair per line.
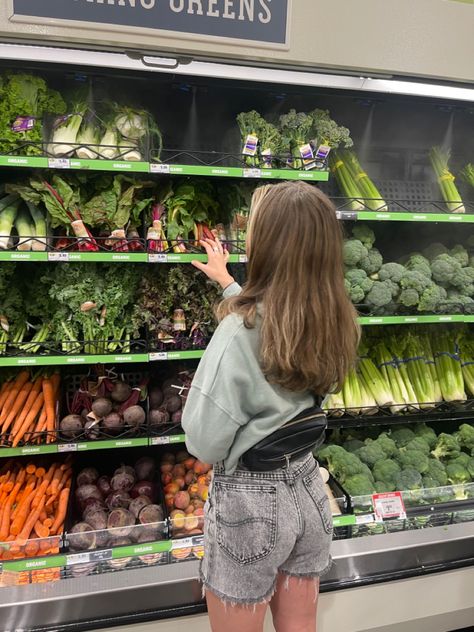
x,y
294,604
226,617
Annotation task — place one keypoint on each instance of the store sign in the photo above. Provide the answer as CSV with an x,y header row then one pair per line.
x,y
388,505
264,21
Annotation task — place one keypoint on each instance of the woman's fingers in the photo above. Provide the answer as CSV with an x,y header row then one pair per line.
x,y
216,266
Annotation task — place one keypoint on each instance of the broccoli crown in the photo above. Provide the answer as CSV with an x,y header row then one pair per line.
x,y
446,447
413,459
457,474
386,470
437,471
353,251
371,453
434,250
418,443
364,234
372,262
419,263
356,294
444,268
463,280
461,254
415,281
392,272
431,298
465,436
470,467
342,464
357,284
352,445
429,482
383,486
409,297
359,485
387,444
461,459
402,436
426,433
408,479
380,294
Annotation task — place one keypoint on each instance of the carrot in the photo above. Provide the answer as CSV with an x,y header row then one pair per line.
x,y
28,404
48,522
5,524
31,416
22,496
40,426
50,408
17,405
40,530
30,468
55,480
41,490
4,392
62,510
21,515
56,381
31,521
20,380
40,472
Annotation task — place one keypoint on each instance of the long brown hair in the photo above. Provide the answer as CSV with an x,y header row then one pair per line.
x,y
309,331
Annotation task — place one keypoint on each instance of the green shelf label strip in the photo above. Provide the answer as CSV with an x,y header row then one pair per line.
x,y
410,320
73,359
188,257
449,218
163,356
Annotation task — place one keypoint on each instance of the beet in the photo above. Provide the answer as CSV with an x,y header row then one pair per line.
x,y
118,499
113,423
151,514
145,468
87,491
97,519
176,417
155,397
127,469
173,403
159,417
82,537
143,488
120,521
103,483
91,504
122,482
138,503
134,416
101,407
121,391
172,386
91,429
71,426
87,476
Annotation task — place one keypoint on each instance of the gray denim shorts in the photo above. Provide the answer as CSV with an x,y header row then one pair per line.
x,y
261,523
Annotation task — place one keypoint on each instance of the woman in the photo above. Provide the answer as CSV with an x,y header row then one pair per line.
x,y
289,335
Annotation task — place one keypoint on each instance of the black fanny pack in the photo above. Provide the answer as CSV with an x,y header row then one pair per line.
x,y
297,437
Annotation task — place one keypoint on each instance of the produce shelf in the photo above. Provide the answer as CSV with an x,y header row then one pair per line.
x,y
374,216
87,446
410,320
63,360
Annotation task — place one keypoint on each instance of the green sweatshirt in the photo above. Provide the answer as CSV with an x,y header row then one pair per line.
x,y
231,406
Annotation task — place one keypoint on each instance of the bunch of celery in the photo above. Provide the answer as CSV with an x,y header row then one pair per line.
x,y
373,378
468,174
448,367
345,180
466,354
439,161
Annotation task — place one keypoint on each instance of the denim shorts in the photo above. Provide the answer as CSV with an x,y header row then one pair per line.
x,y
258,524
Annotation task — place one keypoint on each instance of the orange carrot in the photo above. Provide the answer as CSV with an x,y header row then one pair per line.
x,y
5,390
48,522
5,524
40,426
31,416
40,472
30,468
62,510
55,480
31,521
21,515
41,490
32,397
17,405
50,408
40,530
20,380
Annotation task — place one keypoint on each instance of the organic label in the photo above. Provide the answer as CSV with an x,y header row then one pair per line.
x,y
388,505
306,152
159,440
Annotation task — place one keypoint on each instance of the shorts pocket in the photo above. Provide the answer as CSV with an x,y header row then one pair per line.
x,y
315,487
246,520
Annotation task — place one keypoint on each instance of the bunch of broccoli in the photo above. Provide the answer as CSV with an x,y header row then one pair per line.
x,y
434,280
404,459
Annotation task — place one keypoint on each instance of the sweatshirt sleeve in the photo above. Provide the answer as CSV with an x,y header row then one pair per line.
x,y
232,290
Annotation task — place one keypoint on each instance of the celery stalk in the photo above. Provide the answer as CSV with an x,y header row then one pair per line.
x,y
439,161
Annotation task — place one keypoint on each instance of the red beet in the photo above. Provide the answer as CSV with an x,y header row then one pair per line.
x,y
118,499
151,514
87,476
87,491
145,468
103,483
143,488
122,481
138,503
120,521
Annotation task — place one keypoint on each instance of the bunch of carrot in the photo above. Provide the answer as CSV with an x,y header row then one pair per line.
x,y
33,507
28,405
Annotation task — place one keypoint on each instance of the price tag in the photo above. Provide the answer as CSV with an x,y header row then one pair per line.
x,y
186,543
158,356
67,447
59,163
388,505
252,173
58,256
364,519
158,258
77,558
346,215
159,168
100,556
160,440
243,259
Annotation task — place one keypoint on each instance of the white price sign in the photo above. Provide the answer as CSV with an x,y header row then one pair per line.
x,y
58,256
252,173
59,163
160,440
158,356
388,505
243,259
159,168
158,258
67,447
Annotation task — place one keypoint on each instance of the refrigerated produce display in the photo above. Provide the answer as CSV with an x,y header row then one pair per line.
x,y
109,180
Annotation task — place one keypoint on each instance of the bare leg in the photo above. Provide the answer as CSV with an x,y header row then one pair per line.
x,y
234,618
294,604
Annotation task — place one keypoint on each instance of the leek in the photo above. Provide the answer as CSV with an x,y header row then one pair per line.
x,y
39,243
439,160
8,211
25,230
66,130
